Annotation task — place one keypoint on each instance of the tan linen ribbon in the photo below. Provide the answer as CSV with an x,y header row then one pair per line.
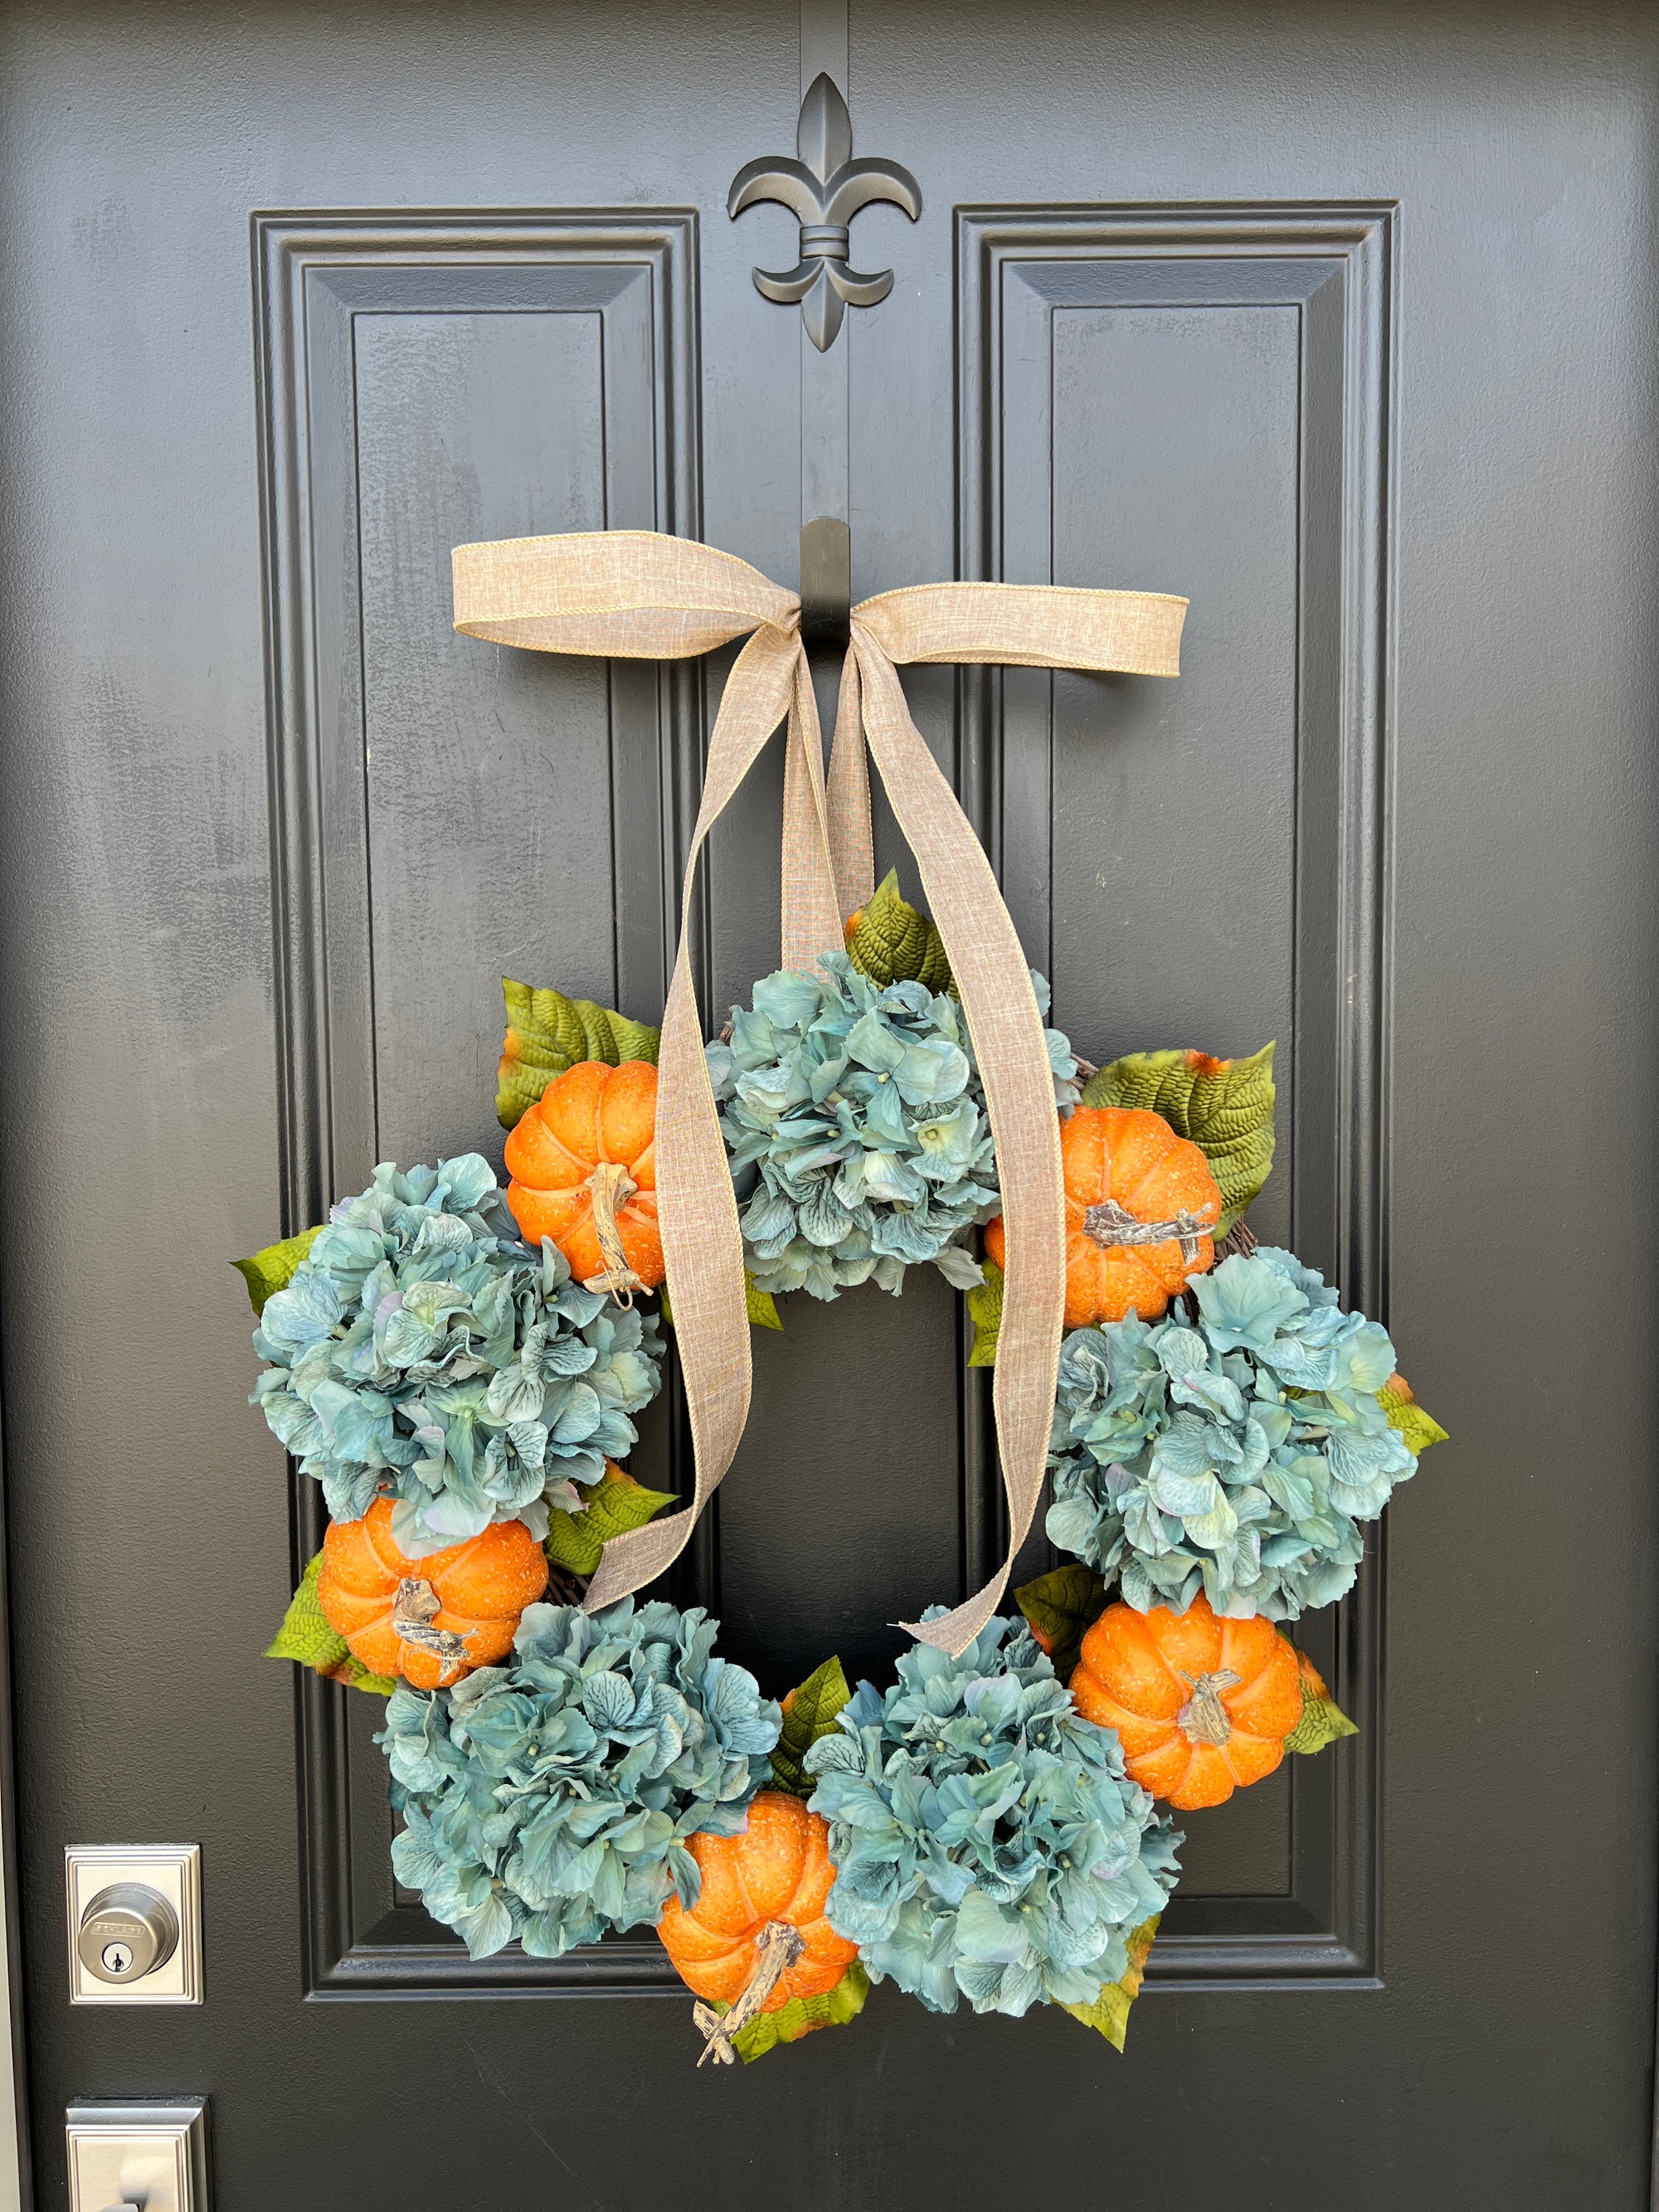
x,y
636,594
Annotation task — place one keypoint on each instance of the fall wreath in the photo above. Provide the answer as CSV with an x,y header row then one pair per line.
x,y
459,1364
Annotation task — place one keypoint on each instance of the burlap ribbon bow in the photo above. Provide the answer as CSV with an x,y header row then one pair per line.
x,y
638,595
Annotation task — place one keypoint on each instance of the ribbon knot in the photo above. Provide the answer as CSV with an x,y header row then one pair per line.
x,y
638,595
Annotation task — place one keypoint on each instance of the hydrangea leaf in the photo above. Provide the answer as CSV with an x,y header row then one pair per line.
x,y
1225,1107
1418,1429
891,943
762,1306
614,1504
1322,1720
548,1033
275,1268
355,1676
1061,1607
808,1713
1109,2012
833,2008
306,1638
985,1311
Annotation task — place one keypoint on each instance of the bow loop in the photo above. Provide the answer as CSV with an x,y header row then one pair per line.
x,y
620,594
1028,626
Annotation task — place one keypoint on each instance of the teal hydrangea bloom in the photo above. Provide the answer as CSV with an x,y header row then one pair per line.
x,y
986,1841
857,1130
1233,1450
424,1351
551,1799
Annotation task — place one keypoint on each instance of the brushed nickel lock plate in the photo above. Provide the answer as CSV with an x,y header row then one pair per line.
x,y
135,1923
139,2154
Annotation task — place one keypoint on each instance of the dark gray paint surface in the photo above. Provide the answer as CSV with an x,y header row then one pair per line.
x,y
1340,322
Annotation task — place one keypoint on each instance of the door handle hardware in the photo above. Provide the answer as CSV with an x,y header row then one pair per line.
x,y
137,2158
135,1925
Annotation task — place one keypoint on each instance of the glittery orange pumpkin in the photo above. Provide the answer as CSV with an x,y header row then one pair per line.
x,y
778,1869
1201,1705
583,1170
1127,1173
481,1587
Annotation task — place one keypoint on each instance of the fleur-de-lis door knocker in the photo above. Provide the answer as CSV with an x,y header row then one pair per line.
x,y
824,189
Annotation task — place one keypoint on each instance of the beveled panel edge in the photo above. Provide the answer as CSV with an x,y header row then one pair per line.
x,y
287,246
1359,239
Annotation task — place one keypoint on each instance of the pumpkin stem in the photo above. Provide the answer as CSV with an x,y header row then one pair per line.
x,y
1110,1224
610,1188
776,1949
1203,1718
414,1609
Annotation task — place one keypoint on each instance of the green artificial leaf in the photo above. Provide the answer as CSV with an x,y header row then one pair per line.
x,y
834,2009
1224,1106
985,1311
1420,1430
762,1306
1109,2012
548,1033
614,1504
1061,1607
1322,1720
306,1638
889,941
808,1713
275,1268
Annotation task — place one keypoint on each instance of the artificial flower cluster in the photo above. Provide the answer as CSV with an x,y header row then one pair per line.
x,y
421,1349
986,1841
550,1800
1233,1449
857,1130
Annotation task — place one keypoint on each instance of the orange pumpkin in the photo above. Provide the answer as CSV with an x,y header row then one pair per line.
x,y
432,1620
1125,1170
1202,1706
778,1869
583,1170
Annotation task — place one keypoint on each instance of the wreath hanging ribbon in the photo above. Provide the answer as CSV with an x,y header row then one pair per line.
x,y
640,595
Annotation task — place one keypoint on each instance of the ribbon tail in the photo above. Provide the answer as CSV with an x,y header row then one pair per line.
x,y
696,1207
1002,1012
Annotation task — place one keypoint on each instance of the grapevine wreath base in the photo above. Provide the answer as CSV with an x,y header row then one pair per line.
x,y
993,1826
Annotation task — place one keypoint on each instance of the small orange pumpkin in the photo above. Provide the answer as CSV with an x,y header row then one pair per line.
x,y
1201,1706
1125,1169
432,1620
779,1868
583,1170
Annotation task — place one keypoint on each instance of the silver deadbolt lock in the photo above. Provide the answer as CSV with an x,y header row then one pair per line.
x,y
127,1931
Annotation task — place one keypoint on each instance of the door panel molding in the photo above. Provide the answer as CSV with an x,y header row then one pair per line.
x,y
1324,275
318,276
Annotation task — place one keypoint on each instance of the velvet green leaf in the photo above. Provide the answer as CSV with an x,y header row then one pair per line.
x,y
305,1638
1061,1607
275,1268
1323,1720
808,1713
575,1541
548,1033
834,2009
1109,2012
762,1306
1420,1430
985,1311
890,942
1224,1106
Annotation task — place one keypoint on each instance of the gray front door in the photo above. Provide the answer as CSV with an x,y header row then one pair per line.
x,y
1338,321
